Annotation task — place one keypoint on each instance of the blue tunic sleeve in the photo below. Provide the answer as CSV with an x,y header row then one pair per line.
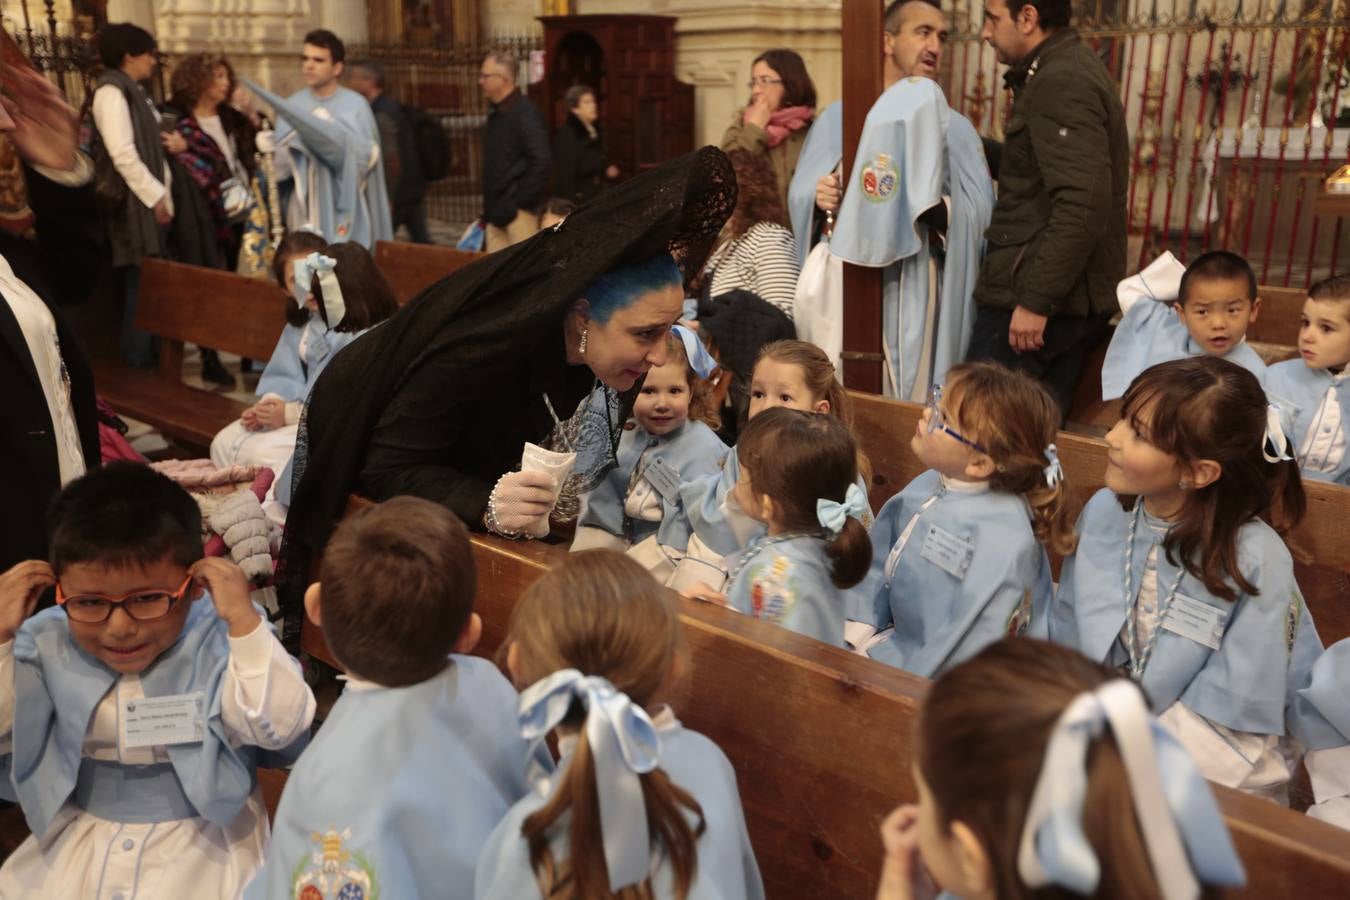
x,y
1149,333
285,374
1319,717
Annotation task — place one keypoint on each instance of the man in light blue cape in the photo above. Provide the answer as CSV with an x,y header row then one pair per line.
x,y
918,158
328,149
915,31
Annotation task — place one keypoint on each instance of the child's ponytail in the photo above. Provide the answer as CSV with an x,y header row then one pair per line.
x,y
1051,520
586,873
602,614
850,549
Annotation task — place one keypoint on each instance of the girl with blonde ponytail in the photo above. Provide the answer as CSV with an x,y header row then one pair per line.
x,y
640,807
959,556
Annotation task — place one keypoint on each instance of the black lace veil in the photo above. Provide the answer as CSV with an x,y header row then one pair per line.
x,y
483,318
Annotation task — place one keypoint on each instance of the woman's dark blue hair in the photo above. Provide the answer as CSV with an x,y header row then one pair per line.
x,y
617,288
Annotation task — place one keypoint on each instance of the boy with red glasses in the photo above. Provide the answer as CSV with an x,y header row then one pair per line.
x,y
135,712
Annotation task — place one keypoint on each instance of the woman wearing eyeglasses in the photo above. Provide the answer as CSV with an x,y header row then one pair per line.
x,y
774,122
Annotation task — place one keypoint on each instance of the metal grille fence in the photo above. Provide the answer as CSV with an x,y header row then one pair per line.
x,y
444,82
1236,115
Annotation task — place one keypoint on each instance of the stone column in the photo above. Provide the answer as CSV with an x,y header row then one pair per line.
x,y
717,40
261,38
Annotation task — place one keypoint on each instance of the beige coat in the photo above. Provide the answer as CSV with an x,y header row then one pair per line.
x,y
782,159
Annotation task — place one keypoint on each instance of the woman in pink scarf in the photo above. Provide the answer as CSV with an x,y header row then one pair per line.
x,y
774,123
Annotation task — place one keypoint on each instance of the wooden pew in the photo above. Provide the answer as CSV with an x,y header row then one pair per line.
x,y
190,304
884,428
412,267
821,740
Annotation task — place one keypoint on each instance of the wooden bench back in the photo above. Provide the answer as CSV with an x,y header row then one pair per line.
x,y
884,428
184,304
822,743
412,267
1280,317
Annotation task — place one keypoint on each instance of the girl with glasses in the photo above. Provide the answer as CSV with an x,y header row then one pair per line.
x,y
959,556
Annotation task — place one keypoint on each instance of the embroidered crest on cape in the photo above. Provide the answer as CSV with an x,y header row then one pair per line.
x,y
771,593
879,178
1291,623
333,872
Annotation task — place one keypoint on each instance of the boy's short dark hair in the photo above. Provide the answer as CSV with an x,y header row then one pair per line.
x,y
398,588
1333,289
120,40
322,37
124,514
1217,264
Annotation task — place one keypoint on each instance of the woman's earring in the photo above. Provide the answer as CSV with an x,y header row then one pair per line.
x,y
581,347
1184,484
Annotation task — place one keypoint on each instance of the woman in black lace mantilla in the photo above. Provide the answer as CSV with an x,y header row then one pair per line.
x,y
439,401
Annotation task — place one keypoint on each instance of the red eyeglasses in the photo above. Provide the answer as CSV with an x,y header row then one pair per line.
x,y
143,606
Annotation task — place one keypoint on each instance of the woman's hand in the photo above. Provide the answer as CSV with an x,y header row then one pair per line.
x,y
758,112
520,500
903,876
173,142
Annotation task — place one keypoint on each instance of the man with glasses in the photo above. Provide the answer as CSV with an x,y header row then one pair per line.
x,y
329,151
516,159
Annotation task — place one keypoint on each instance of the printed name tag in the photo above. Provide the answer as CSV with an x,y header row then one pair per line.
x,y
948,552
157,721
1196,621
664,478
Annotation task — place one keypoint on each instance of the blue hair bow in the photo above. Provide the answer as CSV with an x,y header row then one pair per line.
x,y
1054,473
623,744
700,360
1183,831
832,515
325,267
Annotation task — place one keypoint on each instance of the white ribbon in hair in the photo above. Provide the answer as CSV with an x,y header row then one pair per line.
x,y
325,267
1054,472
1275,442
1183,831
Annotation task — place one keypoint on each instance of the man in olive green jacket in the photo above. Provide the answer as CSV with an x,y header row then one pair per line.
x,y
1056,243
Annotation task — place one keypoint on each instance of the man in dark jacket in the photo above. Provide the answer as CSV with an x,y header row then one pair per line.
x,y
398,150
1056,243
515,155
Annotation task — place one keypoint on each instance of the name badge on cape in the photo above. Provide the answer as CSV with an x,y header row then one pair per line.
x,y
160,721
1196,620
950,553
664,478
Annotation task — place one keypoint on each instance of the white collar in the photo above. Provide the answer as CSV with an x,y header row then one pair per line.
x,y
960,486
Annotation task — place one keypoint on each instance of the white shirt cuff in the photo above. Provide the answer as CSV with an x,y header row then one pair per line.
x,y
251,654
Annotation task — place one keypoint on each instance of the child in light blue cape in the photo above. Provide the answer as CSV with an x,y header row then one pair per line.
x,y
1315,384
1113,805
136,712
420,757
1179,580
959,556
799,478
672,441
595,644
1172,312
